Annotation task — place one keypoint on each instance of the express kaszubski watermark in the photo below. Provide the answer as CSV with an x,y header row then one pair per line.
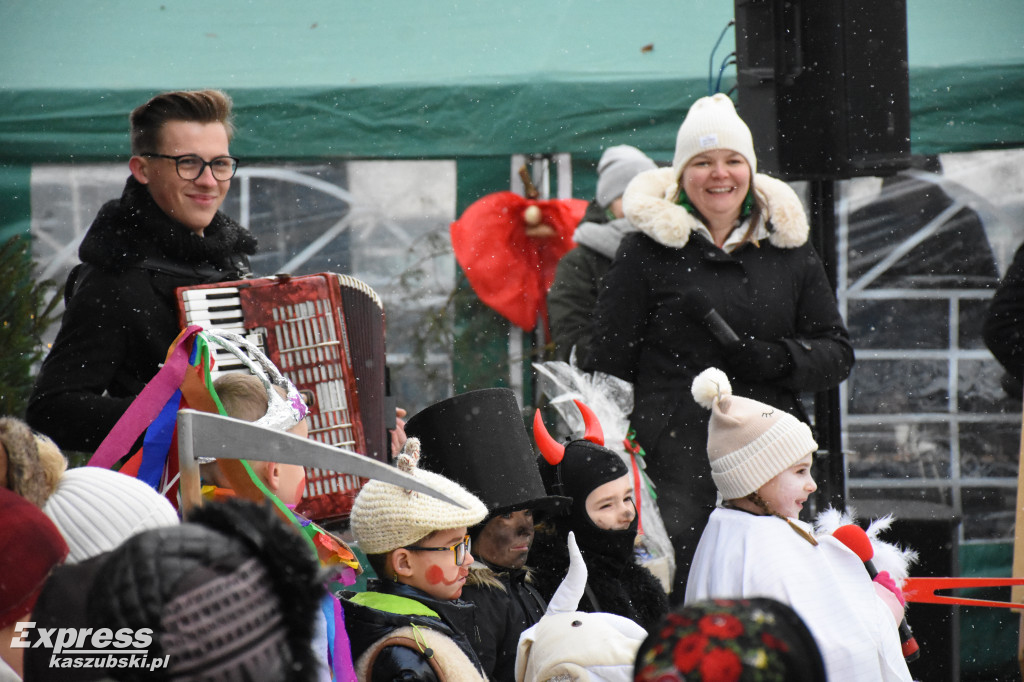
x,y
102,648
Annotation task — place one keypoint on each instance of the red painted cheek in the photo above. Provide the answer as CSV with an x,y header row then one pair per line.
x,y
435,576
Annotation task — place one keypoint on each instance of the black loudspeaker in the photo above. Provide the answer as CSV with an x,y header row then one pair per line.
x,y
823,86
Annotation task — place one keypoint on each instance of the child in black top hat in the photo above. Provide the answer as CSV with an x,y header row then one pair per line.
x,y
479,440
605,522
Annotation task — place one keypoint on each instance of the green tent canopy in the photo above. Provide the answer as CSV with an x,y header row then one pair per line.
x,y
415,79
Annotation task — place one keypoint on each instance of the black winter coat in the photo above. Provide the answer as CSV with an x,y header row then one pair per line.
x,y
645,332
506,604
121,313
365,626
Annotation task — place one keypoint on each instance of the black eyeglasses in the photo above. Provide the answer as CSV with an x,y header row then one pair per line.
x,y
461,549
191,166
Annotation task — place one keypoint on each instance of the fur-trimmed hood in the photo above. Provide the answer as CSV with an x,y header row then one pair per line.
x,y
648,205
482,575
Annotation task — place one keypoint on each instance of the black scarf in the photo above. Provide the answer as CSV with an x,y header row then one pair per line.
x,y
133,228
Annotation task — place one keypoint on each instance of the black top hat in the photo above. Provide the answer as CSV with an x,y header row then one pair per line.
x,y
479,440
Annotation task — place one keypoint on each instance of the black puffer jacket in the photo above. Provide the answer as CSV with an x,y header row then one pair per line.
x,y
506,604
366,626
121,313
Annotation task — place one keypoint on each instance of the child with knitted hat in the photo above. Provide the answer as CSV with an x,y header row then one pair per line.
x,y
754,546
411,624
228,595
97,509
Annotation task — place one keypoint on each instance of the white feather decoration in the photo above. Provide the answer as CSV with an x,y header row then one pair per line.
x,y
888,556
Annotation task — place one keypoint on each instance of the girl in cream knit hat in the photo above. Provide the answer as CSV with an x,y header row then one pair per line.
x,y
754,546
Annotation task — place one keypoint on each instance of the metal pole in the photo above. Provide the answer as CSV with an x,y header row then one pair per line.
x,y
827,415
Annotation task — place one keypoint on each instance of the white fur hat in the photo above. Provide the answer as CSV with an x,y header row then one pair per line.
x,y
712,123
749,443
97,509
619,165
385,516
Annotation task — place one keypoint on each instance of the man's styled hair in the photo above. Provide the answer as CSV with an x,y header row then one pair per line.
x,y
199,106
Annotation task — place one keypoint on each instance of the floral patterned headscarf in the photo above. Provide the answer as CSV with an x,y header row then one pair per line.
x,y
730,640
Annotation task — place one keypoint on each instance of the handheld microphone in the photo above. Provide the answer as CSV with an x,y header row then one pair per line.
x,y
854,537
697,305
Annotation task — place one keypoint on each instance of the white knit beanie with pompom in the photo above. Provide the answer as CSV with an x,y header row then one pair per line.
x,y
749,443
385,516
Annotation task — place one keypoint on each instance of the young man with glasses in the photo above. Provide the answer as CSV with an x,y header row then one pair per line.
x,y
165,231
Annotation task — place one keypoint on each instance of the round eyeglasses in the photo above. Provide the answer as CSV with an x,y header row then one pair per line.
x,y
461,549
191,166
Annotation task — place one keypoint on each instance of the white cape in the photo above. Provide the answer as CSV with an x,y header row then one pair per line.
x,y
742,555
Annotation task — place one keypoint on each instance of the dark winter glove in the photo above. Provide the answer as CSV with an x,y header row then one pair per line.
x,y
759,361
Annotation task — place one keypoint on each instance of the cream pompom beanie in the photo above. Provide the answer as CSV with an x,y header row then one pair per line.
x,y
712,123
749,443
385,516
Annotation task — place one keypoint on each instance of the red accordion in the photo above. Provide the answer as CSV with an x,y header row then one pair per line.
x,y
325,332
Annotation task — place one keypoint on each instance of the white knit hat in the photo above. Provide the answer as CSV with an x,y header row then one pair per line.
x,y
619,165
385,516
749,443
712,123
97,509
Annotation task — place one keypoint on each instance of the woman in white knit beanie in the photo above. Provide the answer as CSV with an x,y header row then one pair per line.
x,y
754,546
720,273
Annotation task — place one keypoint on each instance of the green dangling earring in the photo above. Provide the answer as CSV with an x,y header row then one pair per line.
x,y
748,205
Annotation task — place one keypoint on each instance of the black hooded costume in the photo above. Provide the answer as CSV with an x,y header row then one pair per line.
x,y
616,582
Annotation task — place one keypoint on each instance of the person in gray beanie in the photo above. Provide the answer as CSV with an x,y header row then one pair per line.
x,y
573,294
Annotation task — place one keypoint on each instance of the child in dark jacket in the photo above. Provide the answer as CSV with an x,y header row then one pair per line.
x,y
605,523
478,439
410,624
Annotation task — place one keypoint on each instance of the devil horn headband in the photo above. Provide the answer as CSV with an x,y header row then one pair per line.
x,y
552,451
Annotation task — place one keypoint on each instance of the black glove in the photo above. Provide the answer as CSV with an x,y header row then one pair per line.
x,y
757,361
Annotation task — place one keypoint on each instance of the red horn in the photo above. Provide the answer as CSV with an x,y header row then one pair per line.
x,y
552,451
593,433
